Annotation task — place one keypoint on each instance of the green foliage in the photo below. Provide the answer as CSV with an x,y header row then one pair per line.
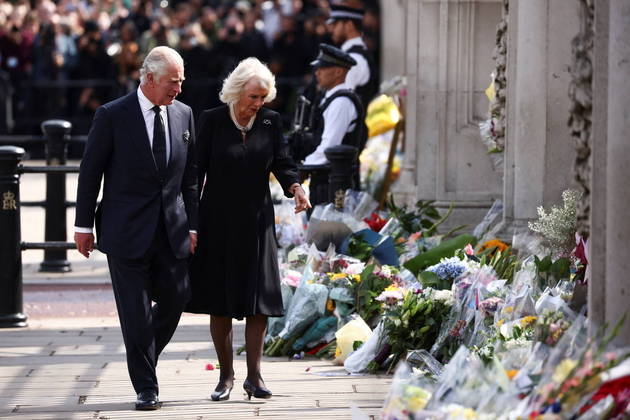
x,y
366,291
444,250
413,324
424,217
551,272
505,264
359,248
430,279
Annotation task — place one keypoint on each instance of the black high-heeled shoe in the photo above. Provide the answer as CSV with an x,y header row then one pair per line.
x,y
256,391
221,392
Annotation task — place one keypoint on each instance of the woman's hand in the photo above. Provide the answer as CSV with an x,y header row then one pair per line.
x,y
301,202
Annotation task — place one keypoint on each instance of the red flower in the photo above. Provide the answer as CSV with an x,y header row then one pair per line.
x,y
620,391
375,222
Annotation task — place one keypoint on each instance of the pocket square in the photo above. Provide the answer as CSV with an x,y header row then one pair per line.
x,y
186,136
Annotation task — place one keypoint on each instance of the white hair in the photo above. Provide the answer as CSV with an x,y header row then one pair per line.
x,y
157,61
248,69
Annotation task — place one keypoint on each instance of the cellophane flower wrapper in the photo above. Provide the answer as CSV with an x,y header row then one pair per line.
x,y
359,359
615,384
521,299
488,220
566,352
276,324
328,225
578,379
359,204
459,326
289,226
423,363
601,410
468,382
307,305
528,243
408,395
296,258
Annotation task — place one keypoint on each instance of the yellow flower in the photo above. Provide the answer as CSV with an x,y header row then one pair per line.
x,y
563,369
356,278
511,373
528,320
392,288
500,322
508,309
336,276
416,397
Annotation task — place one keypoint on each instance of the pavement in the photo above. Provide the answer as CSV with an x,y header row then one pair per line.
x,y
69,363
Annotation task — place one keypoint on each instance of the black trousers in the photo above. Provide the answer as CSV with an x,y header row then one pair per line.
x,y
147,328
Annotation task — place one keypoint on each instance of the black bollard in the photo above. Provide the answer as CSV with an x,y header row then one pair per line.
x,y
318,187
10,253
342,160
57,133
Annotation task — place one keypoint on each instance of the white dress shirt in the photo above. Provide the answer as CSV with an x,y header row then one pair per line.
x,y
149,117
359,74
337,118
146,106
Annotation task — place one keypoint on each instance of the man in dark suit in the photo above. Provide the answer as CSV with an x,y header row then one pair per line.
x,y
142,145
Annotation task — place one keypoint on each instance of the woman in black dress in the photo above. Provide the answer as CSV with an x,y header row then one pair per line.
x,y
234,272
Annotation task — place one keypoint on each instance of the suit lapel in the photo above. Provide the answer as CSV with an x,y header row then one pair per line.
x,y
138,130
175,133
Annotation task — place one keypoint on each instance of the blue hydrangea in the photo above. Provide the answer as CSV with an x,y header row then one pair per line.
x,y
448,269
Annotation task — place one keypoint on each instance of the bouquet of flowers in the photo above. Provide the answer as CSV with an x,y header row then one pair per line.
x,y
414,321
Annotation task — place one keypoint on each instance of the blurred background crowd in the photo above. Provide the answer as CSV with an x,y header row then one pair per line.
x,y
62,59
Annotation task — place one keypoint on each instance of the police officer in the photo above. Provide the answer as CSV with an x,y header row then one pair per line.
x,y
340,116
345,26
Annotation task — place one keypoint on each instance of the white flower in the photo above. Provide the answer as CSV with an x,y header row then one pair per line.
x,y
356,268
386,271
388,295
446,296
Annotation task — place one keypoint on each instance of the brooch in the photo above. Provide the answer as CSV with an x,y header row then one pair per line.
x,y
186,136
267,122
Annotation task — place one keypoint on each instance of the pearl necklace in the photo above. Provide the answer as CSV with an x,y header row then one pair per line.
x,y
243,128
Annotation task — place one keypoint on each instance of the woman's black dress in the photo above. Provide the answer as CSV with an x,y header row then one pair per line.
x,y
234,271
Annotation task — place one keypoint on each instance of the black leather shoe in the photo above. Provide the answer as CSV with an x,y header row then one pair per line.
x,y
256,391
221,392
147,400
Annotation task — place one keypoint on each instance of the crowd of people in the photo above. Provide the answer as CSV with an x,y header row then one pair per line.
x,y
65,58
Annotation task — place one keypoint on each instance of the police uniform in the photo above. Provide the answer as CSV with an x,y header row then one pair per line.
x,y
362,77
340,115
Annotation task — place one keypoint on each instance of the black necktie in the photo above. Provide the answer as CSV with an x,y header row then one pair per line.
x,y
159,141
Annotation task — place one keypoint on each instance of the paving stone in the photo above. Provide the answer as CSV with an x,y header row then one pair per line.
x,y
75,369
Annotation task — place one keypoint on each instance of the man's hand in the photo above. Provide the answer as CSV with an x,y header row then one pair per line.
x,y
193,242
85,243
301,202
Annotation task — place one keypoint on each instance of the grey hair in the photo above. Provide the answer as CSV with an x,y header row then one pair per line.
x,y
248,69
157,60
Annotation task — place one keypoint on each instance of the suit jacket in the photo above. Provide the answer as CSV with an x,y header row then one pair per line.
x,y
134,193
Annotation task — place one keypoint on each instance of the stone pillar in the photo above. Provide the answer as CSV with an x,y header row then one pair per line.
x,y
539,151
617,171
597,240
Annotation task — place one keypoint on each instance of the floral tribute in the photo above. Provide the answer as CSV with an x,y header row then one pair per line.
x,y
472,327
